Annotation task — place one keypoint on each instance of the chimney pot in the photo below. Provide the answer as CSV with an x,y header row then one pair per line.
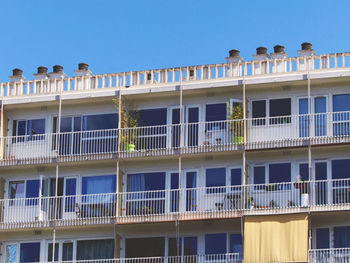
x,y
261,51
278,49
234,53
57,69
17,72
42,70
83,66
306,46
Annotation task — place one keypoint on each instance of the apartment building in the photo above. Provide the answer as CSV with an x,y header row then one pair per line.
x,y
243,161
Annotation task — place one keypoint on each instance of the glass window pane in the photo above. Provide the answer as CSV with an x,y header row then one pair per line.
x,y
215,177
259,175
303,106
11,253
49,252
321,171
190,246
322,238
340,169
35,127
144,247
32,188
341,102
67,251
280,107
216,112
259,109
21,128
215,244
146,182
16,189
280,173
98,184
236,176
173,247
100,122
29,252
152,117
236,245
304,171
342,237
95,249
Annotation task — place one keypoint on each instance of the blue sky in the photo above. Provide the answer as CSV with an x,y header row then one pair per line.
x,y
114,36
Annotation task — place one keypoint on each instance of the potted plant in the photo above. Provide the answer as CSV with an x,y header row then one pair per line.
x,y
235,114
128,119
250,202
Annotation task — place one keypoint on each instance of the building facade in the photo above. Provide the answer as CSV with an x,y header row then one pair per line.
x,y
244,161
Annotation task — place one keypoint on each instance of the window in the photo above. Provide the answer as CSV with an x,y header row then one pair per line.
x,y
146,182
322,238
11,253
215,113
150,138
215,177
28,189
341,115
236,245
340,169
31,129
304,171
95,249
259,111
29,252
215,244
144,247
49,252
236,176
342,237
259,175
100,122
187,245
98,184
190,246
279,173
278,108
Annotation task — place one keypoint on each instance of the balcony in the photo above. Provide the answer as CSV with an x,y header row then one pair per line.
x,y
330,255
176,204
188,138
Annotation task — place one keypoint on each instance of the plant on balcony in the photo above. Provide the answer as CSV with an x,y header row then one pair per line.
x,y
235,114
273,204
271,187
250,202
128,119
291,203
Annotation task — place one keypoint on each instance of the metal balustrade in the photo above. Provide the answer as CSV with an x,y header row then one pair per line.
x,y
176,204
227,135
175,76
64,210
212,258
330,255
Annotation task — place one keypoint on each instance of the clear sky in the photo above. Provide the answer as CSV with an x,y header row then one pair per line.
x,y
114,35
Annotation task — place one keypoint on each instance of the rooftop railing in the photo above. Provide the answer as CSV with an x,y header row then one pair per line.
x,y
188,138
171,76
195,203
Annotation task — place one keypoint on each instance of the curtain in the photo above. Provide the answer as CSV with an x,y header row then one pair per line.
x,y
95,249
98,184
282,238
136,182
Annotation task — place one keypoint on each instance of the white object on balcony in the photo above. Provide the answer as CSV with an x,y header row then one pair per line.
x,y
304,200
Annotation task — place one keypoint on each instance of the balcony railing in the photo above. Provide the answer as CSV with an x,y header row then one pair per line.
x,y
174,76
64,210
176,204
228,135
330,255
212,258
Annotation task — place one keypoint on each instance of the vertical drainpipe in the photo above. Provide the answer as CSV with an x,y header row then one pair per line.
x,y
244,181
180,166
309,150
56,186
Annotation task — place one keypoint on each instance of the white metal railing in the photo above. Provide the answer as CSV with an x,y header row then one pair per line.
x,y
22,212
190,202
184,203
228,257
173,76
269,132
330,255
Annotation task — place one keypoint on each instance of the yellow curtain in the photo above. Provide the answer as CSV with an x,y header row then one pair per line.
x,y
282,238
